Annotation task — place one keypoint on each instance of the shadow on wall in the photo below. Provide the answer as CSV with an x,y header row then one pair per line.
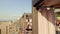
x,y
48,14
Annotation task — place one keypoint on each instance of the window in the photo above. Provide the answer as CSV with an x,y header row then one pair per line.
x,y
26,15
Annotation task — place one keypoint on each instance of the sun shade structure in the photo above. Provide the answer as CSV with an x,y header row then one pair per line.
x,y
44,20
48,3
36,2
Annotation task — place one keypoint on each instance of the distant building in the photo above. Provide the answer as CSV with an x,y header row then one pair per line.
x,y
14,28
26,23
4,27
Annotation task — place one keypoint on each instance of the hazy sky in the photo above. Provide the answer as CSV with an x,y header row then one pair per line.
x,y
11,9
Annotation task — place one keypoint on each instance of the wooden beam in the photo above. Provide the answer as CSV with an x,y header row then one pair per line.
x,y
57,6
50,3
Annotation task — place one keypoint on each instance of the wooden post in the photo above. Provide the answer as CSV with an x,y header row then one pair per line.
x,y
35,21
